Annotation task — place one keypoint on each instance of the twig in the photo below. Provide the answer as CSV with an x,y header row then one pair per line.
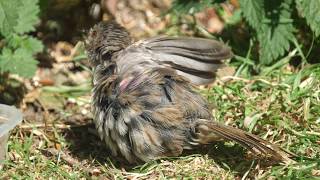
x,y
59,126
312,133
68,159
248,171
228,78
136,175
306,133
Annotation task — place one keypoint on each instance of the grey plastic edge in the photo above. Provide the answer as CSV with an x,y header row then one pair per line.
x,y
14,116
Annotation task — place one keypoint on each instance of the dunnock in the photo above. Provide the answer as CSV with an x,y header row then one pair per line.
x,y
144,101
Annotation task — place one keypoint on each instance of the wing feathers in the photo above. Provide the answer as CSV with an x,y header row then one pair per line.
x,y
194,58
195,48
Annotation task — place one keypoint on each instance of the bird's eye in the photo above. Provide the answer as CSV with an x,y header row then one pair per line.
x,y
93,33
106,55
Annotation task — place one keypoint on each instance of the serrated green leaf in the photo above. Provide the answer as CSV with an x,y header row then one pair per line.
x,y
18,16
273,24
253,11
8,16
310,9
28,16
32,45
275,37
18,62
2,16
274,42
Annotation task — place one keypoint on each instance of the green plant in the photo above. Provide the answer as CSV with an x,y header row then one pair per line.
x,y
17,18
277,24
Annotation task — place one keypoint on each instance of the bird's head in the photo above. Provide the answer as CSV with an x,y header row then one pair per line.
x,y
104,40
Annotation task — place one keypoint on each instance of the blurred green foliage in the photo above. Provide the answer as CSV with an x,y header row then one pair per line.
x,y
270,27
17,19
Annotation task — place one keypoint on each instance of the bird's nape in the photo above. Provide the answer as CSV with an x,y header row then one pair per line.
x,y
104,40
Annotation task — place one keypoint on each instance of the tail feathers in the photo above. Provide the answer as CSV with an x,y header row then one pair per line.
x,y
208,130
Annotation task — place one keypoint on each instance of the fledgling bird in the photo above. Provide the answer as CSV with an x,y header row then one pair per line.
x,y
144,101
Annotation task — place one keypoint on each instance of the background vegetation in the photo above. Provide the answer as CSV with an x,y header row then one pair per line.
x,y
272,88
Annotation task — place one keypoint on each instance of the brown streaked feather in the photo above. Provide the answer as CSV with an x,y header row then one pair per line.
x,y
210,131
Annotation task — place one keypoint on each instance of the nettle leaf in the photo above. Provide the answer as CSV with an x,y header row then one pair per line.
x,y
253,11
8,16
276,32
18,16
28,16
18,62
32,45
310,9
2,17
272,22
274,41
17,56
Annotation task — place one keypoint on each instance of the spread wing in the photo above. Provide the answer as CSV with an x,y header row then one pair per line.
x,y
196,59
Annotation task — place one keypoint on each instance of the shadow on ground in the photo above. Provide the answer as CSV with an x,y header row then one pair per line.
x,y
86,146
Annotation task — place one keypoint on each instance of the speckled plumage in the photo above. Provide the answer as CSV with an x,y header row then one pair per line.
x,y
144,104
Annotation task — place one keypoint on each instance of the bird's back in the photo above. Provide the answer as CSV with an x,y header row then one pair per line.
x,y
147,111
